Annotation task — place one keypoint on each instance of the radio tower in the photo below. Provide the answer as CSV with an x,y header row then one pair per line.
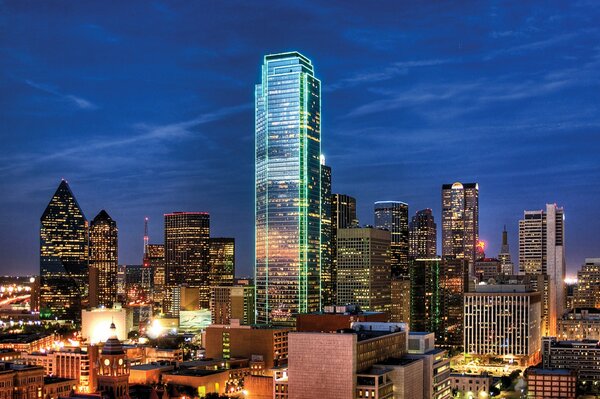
x,y
145,309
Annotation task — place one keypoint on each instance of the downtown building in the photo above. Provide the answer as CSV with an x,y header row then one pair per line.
x,y
422,235
232,302
103,262
393,217
187,247
506,264
221,261
64,246
155,259
363,268
288,189
343,216
502,322
460,221
542,255
327,245
587,292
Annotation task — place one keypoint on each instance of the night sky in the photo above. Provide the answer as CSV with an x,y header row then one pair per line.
x,y
147,107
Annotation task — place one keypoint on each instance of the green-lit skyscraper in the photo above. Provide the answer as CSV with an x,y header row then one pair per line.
x,y
288,189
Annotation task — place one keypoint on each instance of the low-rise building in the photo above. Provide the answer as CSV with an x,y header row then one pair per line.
x,y
406,376
578,324
551,383
149,373
25,381
27,343
475,385
334,318
580,356
55,387
202,381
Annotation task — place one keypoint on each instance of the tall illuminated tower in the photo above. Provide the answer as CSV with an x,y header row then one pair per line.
x,y
422,236
460,220
327,272
393,216
221,261
63,257
288,189
103,260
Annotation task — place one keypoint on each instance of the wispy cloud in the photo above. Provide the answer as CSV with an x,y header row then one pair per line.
x,y
78,102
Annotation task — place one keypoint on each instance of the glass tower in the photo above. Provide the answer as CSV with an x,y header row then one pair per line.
x,y
393,216
221,261
460,220
288,189
63,257
103,261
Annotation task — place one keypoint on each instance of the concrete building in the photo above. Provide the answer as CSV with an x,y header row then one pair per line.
x,y
400,306
406,376
235,340
436,365
149,373
471,385
506,264
542,252
21,381
334,318
340,365
502,321
579,324
232,302
55,387
363,268
487,268
551,383
582,356
27,342
587,293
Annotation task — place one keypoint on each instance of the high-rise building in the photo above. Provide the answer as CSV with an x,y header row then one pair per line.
x,y
460,220
288,189
63,256
400,298
232,302
221,261
187,252
363,275
393,216
502,322
343,216
103,262
156,261
506,265
422,235
436,298
587,293
580,356
542,253
327,281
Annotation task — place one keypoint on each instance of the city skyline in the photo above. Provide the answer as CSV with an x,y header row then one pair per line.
x,y
59,123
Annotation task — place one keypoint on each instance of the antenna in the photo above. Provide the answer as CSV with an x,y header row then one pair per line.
x,y
145,236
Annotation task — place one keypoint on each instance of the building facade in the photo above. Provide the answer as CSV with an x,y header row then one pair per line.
x,y
363,268
232,302
400,298
506,264
63,257
587,293
542,252
327,272
460,220
221,261
288,189
393,217
579,324
422,235
104,260
187,253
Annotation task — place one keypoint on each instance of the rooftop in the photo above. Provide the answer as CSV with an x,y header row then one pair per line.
x,y
195,372
398,361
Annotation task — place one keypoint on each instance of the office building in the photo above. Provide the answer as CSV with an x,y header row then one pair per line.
x,y
232,302
460,220
551,383
400,297
334,318
267,344
327,273
156,260
587,293
288,189
506,264
393,217
63,257
422,235
363,268
502,323
221,261
436,365
187,253
579,324
541,252
487,268
347,359
103,262
580,356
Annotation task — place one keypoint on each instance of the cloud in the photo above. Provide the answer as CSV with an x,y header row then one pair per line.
x,y
77,101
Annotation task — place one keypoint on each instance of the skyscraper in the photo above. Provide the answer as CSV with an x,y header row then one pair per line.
x,y
327,274
288,189
393,216
103,261
343,212
587,293
221,261
422,235
542,253
187,252
63,256
506,264
156,261
460,220
363,275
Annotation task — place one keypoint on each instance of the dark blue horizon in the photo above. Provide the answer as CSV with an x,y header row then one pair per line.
x,y
147,108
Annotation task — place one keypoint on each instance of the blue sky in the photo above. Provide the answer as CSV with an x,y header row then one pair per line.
x,y
147,107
